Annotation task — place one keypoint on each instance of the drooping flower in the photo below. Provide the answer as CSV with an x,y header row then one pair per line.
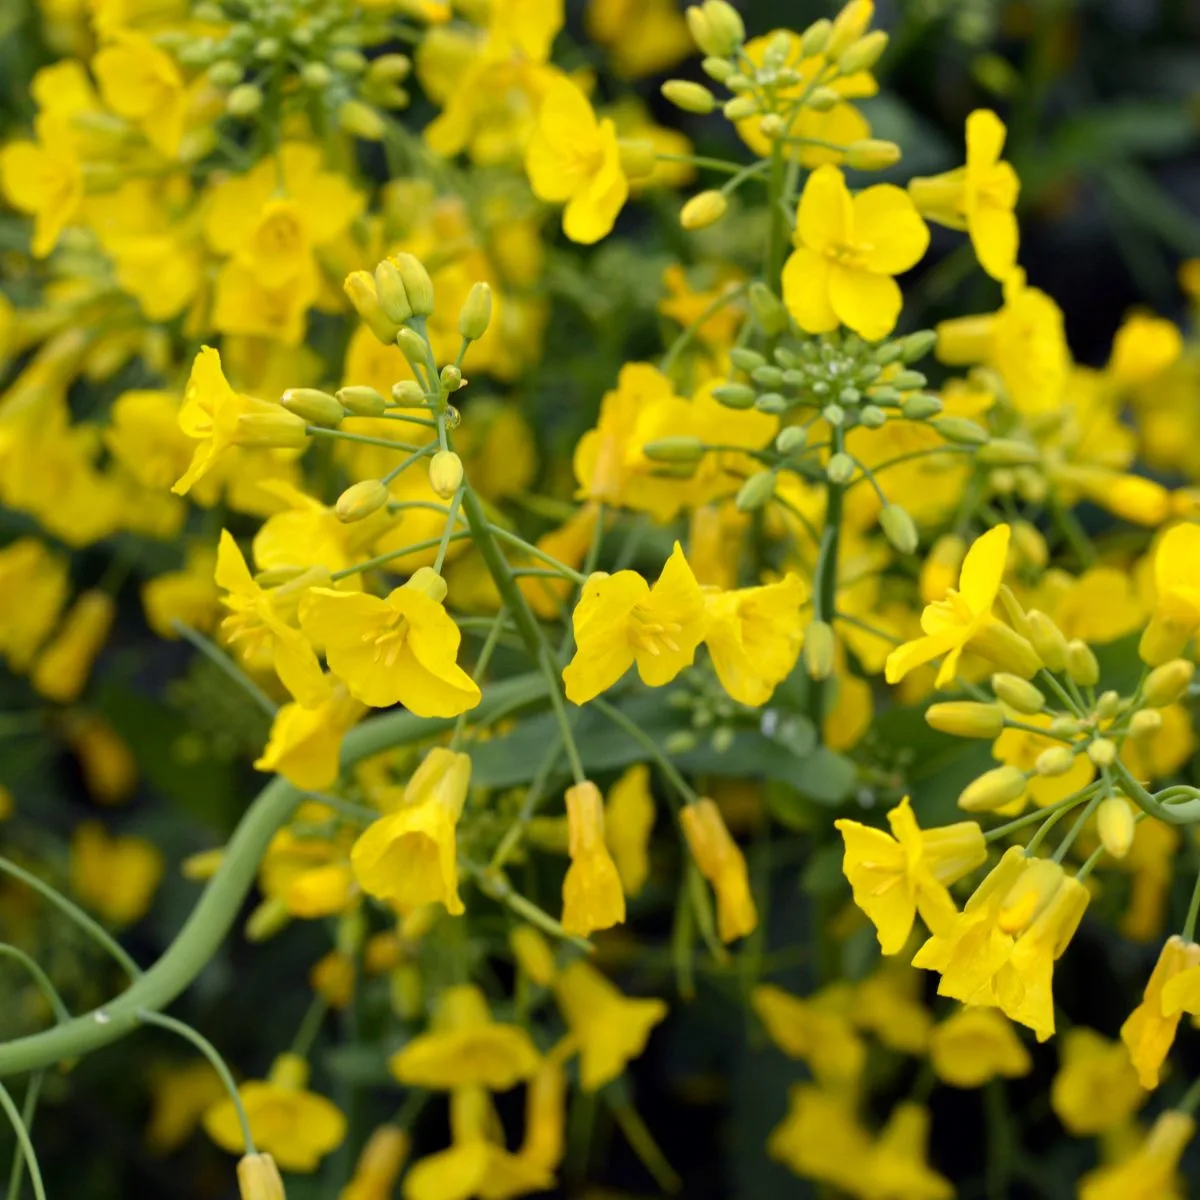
x,y
592,895
1176,615
34,586
1150,1172
1149,1031
628,822
817,1030
1096,1088
722,863
44,178
975,1045
896,877
114,876
62,669
379,1165
305,743
898,1167
621,620
847,251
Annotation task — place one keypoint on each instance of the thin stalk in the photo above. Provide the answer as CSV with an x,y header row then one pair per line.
x,y
825,580
227,666
1189,925
361,438
493,884
444,544
40,978
28,1112
310,1027
686,792
24,1145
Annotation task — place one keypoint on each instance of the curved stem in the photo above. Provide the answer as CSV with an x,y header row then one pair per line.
x,y
40,978
28,1111
1187,813
26,1146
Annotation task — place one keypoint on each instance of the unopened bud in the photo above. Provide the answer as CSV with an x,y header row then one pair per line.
x,y
1018,693
745,359
823,99
1166,684
258,1178
1164,639
361,120
703,210
820,645
390,68
681,449
871,417
772,126
864,54
691,97
740,107
314,406
360,500
1008,452
417,284
1007,649
1081,663
719,69
994,789
791,440
362,401
921,406
244,100
961,431
445,473
1115,823
534,954
1057,760
1064,726
412,345
840,468
734,395
725,27
1108,705
768,309
966,718
1047,639
316,75
899,529
408,393
1145,723
815,38
872,154
360,288
389,288
272,430
348,60
225,74
756,491
268,919
451,377
476,313
848,26
203,865
1102,751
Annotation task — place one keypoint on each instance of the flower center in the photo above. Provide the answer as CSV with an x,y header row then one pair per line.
x,y
391,640
651,635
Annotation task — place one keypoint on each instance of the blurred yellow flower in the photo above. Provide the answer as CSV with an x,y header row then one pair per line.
x,y
114,876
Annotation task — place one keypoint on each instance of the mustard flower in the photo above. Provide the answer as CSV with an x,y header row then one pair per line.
x,y
621,620
722,863
894,878
44,178
1096,1088
898,1167
592,895
62,669
847,250
1149,1031
817,1030
115,876
305,744
379,1165
34,585
1176,614
1150,1172
822,1138
975,1045
142,82
628,823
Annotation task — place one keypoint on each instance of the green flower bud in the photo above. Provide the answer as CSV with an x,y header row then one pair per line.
x,y
389,68
389,287
360,287
898,528
417,284
1057,760
361,120
993,789
746,360
348,60
244,100
1108,705
917,345
691,97
835,414
1115,824
815,37
1018,693
445,473
476,312
271,430
639,159
1081,663
872,154
864,54
316,407
703,210
820,647
362,401
872,417
681,449
1008,452
1102,751
360,500
840,468
225,74
1145,723
791,440
725,28
1047,639
824,99
408,393
412,346
740,107
908,380
734,395
756,491
719,69
267,48
961,431
767,376
768,309
1166,684
966,718
316,75
451,377
772,402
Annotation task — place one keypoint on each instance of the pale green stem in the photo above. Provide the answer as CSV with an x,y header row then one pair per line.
x,y
24,1144
227,666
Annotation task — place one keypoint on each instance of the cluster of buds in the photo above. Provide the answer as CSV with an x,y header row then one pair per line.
x,y
305,49
1053,694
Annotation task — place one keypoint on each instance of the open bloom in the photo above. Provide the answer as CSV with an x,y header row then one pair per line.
x,y
817,1030
1150,1172
975,1045
575,158
847,250
114,876
592,895
143,83
895,877
1176,615
44,179
621,620
295,1126
979,197
722,863
1149,1030
1096,1088
398,650
62,669
305,743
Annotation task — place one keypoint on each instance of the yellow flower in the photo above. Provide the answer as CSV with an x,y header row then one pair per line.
x,y
975,1045
1025,343
144,436
1144,347
754,637
897,1168
979,197
34,586
1149,1030
628,823
720,862
822,1138
410,857
295,1126
62,669
572,157
305,743
1096,1088
258,1178
1149,1173
608,1029
256,626
816,1031
895,877
180,1095
398,650
378,1165
189,595
592,895
1176,615
621,620
44,178
466,1048
643,37
115,876
848,249
110,771
888,1004
949,624
143,84
545,1111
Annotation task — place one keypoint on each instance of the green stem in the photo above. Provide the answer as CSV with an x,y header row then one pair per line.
x,y
40,978
642,1142
1190,1100
381,560
999,1140
1189,925
686,792
777,229
492,883
23,1142
825,579
93,929
1187,813
711,164
1094,803
444,544
682,341
1065,697
210,1052
1037,815
306,1035
227,666
28,1112
362,439
481,665
405,463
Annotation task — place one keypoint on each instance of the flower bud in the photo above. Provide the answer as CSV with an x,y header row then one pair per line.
x,y
820,644
898,528
314,406
966,718
1102,751
823,99
872,154
734,395
638,157
428,581
1115,822
740,107
273,430
871,417
993,789
390,68
719,69
1163,640
1145,723
1047,639
840,468
768,309
864,54
1007,649
691,97
848,26
451,377
915,346
1057,760
476,313
724,26
961,431
224,74
360,288
681,449
771,126
408,393
791,440
445,473
244,100
1064,726
1008,452
756,491
348,60
362,401
814,39
1166,684
1018,693
258,1178
534,954
703,210
360,500
361,120
268,919
417,284
745,359
412,345
202,866
1028,542
389,288
316,75
1081,663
